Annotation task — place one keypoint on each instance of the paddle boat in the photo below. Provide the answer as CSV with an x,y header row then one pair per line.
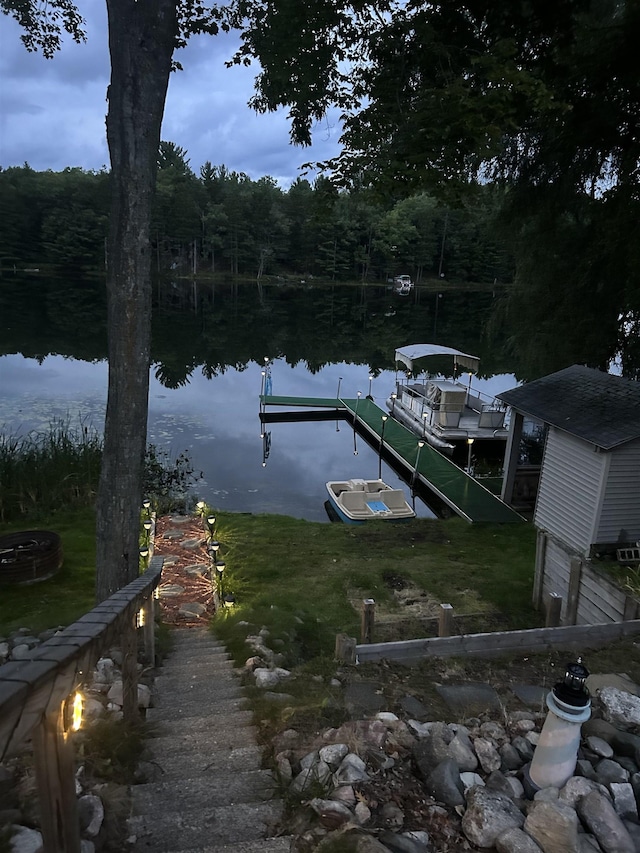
x,y
438,407
356,501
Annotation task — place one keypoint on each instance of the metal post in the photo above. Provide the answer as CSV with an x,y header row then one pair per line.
x,y
368,620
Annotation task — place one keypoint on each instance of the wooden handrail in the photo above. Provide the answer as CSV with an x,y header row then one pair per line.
x,y
34,694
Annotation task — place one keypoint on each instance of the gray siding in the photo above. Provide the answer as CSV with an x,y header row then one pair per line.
x,y
619,517
599,600
557,565
569,493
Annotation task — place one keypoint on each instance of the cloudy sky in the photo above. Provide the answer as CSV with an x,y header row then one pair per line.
x,y
52,112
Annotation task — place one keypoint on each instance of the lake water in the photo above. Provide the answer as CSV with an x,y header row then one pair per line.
x,y
217,421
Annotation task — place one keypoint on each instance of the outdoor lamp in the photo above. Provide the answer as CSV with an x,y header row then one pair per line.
x,y
555,756
200,505
469,443
220,567
148,524
146,504
140,618
211,522
144,554
214,547
394,397
72,714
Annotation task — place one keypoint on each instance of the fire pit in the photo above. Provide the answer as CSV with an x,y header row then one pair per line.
x,y
29,556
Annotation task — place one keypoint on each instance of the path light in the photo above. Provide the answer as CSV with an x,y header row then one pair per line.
x,y
144,557
73,710
148,524
146,506
469,445
211,523
554,759
220,567
214,547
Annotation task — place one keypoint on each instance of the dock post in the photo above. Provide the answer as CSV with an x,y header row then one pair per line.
x,y
554,608
445,622
368,620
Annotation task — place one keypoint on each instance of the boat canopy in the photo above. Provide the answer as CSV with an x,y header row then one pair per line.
x,y
415,352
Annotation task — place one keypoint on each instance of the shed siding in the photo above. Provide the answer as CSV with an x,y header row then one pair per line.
x,y
569,490
619,518
600,600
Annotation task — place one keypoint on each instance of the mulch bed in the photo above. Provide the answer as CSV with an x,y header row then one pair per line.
x,y
197,588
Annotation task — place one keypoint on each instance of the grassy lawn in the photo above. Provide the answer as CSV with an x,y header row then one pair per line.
x,y
307,580
67,596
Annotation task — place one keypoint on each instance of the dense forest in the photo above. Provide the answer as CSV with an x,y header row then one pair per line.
x,y
222,221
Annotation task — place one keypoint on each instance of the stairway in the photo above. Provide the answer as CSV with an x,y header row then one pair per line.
x,y
211,795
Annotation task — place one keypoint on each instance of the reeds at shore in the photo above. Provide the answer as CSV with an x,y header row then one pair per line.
x,y
41,472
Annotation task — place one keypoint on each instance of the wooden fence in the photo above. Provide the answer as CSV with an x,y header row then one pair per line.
x,y
36,696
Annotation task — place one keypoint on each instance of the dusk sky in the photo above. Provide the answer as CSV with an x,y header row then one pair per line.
x,y
52,112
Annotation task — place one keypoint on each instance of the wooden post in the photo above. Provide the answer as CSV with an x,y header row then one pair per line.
x,y
345,648
554,608
445,622
129,648
55,779
630,608
148,630
573,594
538,580
368,620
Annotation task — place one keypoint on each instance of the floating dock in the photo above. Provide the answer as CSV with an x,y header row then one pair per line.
x,y
461,493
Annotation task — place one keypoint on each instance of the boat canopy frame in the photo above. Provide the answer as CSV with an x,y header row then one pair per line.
x,y
416,352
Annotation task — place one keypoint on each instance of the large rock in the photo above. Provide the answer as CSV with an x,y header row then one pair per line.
x,y
445,785
620,707
624,801
488,815
553,826
599,815
488,755
516,841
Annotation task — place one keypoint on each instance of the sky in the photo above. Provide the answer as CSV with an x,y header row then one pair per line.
x,y
52,112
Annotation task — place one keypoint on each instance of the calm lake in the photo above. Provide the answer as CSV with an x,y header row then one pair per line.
x,y
208,351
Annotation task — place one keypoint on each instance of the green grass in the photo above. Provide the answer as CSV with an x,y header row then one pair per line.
x,y
305,581
69,594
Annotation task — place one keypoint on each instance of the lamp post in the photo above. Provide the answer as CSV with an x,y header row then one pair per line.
x,y
385,418
469,446
214,547
146,506
370,381
425,416
394,397
220,567
554,759
339,384
415,470
144,558
211,523
355,421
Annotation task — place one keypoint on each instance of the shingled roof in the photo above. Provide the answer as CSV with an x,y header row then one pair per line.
x,y
587,403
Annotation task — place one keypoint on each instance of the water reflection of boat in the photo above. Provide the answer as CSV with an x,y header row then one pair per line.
x,y
402,285
443,411
357,501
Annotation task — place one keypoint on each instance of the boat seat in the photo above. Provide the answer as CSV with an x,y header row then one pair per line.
x,y
354,501
394,498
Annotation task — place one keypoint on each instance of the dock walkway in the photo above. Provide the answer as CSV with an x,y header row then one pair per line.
x,y
460,492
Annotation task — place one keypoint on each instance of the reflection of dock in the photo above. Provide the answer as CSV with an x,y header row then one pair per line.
x,y
433,471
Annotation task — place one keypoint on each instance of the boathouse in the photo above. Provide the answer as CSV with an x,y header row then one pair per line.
x,y
587,508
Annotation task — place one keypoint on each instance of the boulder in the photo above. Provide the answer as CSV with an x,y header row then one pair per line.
x,y
599,816
488,815
553,826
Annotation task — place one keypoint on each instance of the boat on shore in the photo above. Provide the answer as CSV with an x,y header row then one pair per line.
x,y
443,411
357,501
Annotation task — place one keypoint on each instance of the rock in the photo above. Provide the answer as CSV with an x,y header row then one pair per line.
x,y
588,844
333,754
420,730
344,794
386,717
362,813
352,769
392,815
599,746
488,815
405,842
488,755
25,840
471,779
624,801
598,815
609,771
191,609
514,840
115,695
597,727
462,753
497,781
521,727
620,707
445,784
331,813
511,759
494,731
523,748
414,708
266,677
546,795
4,652
91,814
553,826
21,652
197,570
585,768
428,753
577,787
304,781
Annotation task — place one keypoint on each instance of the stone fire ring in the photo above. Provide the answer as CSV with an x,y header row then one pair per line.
x,y
29,556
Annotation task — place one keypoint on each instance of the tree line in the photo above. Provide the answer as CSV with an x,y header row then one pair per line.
x,y
222,221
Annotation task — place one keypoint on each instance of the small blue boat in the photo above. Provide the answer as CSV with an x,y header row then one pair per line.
x,y
357,501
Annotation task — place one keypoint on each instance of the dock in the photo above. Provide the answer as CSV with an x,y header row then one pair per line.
x,y
464,495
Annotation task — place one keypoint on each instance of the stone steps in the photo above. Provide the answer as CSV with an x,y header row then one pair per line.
x,y
211,794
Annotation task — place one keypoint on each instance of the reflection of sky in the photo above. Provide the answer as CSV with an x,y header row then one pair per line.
x,y
217,421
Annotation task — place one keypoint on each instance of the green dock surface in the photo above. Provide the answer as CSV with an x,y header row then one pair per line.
x,y
464,495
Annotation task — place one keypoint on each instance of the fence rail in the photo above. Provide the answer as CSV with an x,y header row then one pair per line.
x,y
35,697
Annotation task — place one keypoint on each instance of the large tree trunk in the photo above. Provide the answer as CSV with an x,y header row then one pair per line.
x,y
141,42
